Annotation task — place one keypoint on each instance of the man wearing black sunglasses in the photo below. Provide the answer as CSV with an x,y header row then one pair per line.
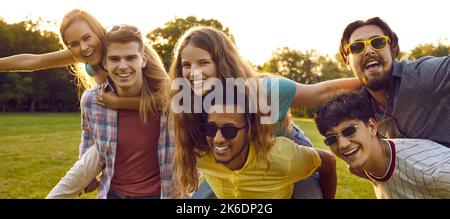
x,y
411,98
398,168
243,159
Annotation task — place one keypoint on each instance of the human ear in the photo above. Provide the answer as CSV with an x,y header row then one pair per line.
x,y
144,59
372,123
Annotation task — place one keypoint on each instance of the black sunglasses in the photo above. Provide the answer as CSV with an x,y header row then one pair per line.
x,y
377,43
348,131
228,131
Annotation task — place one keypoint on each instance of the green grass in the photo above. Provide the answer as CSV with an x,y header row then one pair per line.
x,y
36,150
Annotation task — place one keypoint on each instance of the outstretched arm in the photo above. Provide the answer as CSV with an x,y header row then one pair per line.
x,y
78,177
33,62
316,94
327,174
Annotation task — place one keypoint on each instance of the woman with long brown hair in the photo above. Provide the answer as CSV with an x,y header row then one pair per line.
x,y
204,53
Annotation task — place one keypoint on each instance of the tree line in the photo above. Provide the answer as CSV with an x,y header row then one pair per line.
x,y
54,90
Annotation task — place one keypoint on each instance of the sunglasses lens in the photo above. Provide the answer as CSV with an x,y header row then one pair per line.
x,y
378,43
113,28
133,28
229,132
330,140
349,131
357,47
210,130
126,27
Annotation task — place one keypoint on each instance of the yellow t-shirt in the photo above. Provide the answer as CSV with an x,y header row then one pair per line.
x,y
289,163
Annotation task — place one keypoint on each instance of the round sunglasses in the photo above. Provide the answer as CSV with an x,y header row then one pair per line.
x,y
359,46
228,131
346,132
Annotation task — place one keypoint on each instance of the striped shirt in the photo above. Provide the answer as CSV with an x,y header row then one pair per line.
x,y
99,126
419,169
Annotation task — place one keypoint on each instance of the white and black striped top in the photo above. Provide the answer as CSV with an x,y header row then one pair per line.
x,y
418,169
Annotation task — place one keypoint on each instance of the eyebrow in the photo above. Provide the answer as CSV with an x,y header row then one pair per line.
x,y
70,42
118,56
131,56
368,39
200,60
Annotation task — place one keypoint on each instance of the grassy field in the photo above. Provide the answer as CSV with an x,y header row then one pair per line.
x,y
36,150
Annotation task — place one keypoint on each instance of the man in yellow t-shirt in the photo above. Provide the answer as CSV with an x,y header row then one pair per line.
x,y
245,160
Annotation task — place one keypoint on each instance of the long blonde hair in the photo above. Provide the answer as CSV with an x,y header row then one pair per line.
x,y
83,80
156,82
189,142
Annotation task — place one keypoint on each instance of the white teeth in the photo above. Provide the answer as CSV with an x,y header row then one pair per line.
x,y
372,63
197,83
350,152
89,53
221,149
123,75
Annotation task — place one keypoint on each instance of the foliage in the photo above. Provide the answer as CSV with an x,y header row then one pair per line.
x,y
49,90
428,49
163,39
293,64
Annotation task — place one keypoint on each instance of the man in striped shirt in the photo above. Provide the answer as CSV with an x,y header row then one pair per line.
x,y
398,168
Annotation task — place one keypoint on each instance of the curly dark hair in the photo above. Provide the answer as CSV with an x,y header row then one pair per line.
x,y
347,105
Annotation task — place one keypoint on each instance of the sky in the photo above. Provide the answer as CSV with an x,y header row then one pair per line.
x,y
259,26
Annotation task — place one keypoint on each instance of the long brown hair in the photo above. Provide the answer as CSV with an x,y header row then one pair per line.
x,y
84,81
189,142
156,82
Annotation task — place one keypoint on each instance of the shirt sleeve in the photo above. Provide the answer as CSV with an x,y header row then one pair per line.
x,y
86,136
286,92
433,74
441,175
78,177
304,161
442,183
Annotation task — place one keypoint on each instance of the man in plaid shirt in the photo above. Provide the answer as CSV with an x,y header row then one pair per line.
x,y
132,150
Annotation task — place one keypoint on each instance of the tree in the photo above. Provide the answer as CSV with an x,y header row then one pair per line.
x,y
293,64
40,90
329,69
430,50
164,39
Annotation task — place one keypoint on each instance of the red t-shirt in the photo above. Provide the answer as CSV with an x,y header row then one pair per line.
x,y
136,167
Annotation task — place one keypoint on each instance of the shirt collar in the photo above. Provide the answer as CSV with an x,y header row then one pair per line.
x,y
396,69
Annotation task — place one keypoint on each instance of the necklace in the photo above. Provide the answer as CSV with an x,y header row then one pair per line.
x,y
387,159
378,115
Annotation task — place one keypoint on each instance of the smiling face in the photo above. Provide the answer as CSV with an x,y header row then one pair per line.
x,y
372,67
124,63
223,149
356,150
83,42
198,66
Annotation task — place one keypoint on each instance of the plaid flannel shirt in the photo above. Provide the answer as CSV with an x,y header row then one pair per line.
x,y
99,126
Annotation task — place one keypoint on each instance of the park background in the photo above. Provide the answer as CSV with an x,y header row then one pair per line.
x,y
39,111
